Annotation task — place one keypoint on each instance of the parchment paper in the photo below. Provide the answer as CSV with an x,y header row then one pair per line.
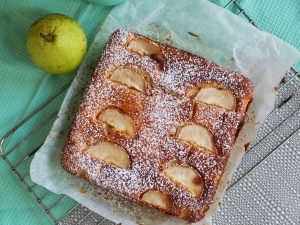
x,y
197,26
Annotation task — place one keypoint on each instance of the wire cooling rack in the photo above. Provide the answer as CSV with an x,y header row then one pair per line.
x,y
281,130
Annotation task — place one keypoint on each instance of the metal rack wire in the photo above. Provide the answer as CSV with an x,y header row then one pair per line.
x,y
18,155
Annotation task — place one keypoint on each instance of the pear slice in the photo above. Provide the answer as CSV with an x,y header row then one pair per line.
x,y
187,177
197,135
131,78
118,120
111,154
143,46
216,96
157,199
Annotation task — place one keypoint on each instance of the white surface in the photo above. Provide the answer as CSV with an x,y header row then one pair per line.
x,y
223,38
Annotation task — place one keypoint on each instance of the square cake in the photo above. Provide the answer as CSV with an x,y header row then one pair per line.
x,y
157,125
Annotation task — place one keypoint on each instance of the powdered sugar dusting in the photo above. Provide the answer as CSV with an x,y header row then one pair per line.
x,y
157,117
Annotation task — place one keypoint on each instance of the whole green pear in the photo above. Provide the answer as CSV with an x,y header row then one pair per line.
x,y
56,43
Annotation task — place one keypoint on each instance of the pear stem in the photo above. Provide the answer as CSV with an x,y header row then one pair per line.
x,y
47,37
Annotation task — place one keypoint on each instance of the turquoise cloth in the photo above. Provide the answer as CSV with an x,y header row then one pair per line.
x,y
24,87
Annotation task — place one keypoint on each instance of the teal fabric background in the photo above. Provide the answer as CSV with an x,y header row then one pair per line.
x,y
24,87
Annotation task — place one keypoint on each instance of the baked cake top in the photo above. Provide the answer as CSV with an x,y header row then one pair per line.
x,y
157,125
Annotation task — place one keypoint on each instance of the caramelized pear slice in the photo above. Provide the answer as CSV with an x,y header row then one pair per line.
x,y
110,154
143,46
186,177
118,120
216,96
157,199
197,135
131,78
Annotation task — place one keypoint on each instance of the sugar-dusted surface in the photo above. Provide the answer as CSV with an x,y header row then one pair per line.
x,y
157,116
181,70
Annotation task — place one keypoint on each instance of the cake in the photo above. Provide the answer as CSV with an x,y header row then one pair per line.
x,y
157,125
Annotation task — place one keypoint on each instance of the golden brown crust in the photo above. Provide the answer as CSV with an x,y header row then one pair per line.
x,y
157,116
